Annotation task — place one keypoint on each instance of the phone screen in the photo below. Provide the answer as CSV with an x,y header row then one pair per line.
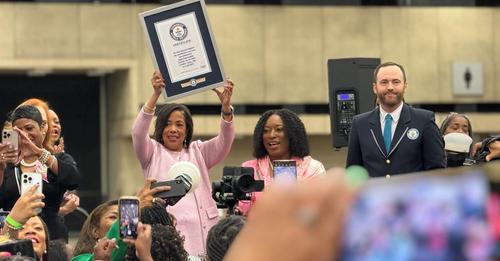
x,y
440,217
3,215
129,217
284,171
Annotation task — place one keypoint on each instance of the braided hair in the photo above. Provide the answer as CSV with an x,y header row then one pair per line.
x,y
221,236
166,245
156,214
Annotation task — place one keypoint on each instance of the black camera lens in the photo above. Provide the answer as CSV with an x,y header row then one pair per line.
x,y
244,183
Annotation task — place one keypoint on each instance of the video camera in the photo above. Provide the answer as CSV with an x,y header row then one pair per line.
x,y
235,185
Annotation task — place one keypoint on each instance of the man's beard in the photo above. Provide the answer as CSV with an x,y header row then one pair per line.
x,y
394,101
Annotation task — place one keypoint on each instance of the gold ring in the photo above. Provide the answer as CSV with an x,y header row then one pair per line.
x,y
154,200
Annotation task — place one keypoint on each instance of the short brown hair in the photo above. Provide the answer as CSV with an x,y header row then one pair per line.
x,y
386,64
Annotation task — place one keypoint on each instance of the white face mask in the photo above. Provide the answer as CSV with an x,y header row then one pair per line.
x,y
457,142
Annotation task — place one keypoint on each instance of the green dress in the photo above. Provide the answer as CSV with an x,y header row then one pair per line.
x,y
118,253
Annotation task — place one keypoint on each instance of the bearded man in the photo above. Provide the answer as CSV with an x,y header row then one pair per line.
x,y
394,138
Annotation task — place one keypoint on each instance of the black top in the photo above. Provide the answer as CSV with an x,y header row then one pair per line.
x,y
67,179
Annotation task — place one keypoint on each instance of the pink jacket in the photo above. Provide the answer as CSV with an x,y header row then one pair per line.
x,y
307,169
196,212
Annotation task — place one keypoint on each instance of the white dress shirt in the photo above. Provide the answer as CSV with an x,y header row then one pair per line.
x,y
395,118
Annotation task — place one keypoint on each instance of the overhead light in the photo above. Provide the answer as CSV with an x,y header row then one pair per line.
x,y
99,72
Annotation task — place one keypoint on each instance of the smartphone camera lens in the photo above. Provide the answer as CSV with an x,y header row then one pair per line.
x,y
25,176
30,179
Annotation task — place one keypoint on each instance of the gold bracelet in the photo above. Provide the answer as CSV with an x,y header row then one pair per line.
x,y
44,157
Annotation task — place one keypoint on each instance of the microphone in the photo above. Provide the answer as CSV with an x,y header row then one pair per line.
x,y
457,142
457,146
185,178
186,172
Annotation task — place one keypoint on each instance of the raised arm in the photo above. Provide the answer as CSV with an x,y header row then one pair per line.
x,y
216,149
143,145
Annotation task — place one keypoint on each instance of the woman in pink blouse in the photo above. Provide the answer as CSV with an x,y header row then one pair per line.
x,y
280,135
196,212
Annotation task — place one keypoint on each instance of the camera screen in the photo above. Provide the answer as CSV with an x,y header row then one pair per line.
x,y
422,218
129,218
284,172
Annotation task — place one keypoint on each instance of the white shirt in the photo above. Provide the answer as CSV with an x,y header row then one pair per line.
x,y
395,118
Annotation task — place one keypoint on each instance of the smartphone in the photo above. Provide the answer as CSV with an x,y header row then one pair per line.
x,y
18,247
28,180
128,208
176,192
420,217
285,171
11,136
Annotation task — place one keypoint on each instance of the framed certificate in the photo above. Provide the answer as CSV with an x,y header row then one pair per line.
x,y
182,47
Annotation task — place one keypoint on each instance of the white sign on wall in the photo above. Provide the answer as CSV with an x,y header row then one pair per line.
x,y
467,79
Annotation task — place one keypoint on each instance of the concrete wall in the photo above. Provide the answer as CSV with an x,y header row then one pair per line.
x,y
275,54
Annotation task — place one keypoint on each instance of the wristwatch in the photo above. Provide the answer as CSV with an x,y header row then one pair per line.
x,y
223,113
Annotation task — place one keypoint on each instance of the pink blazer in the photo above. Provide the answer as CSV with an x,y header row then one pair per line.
x,y
196,212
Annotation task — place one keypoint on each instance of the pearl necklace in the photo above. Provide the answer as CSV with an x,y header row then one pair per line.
x,y
29,165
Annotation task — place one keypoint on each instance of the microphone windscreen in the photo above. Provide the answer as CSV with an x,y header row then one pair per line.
x,y
457,142
188,170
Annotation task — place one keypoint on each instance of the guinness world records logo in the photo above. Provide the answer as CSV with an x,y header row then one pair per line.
x,y
178,31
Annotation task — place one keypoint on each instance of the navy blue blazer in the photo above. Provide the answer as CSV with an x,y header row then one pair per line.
x,y
417,144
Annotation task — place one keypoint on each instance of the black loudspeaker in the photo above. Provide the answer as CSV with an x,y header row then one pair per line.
x,y
350,92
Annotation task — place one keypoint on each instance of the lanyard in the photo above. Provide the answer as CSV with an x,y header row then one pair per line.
x,y
16,175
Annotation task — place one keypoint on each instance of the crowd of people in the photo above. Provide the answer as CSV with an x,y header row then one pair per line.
x,y
279,223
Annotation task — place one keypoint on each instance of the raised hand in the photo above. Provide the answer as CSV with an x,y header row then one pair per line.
x,y
27,147
158,82
225,95
8,154
27,205
146,194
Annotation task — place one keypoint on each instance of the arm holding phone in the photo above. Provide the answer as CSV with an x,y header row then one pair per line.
x,y
9,150
25,207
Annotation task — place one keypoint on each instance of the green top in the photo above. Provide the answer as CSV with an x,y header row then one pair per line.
x,y
118,253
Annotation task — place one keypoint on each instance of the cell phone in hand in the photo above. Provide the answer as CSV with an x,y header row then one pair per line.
x,y
16,247
285,171
128,208
3,215
28,180
11,136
